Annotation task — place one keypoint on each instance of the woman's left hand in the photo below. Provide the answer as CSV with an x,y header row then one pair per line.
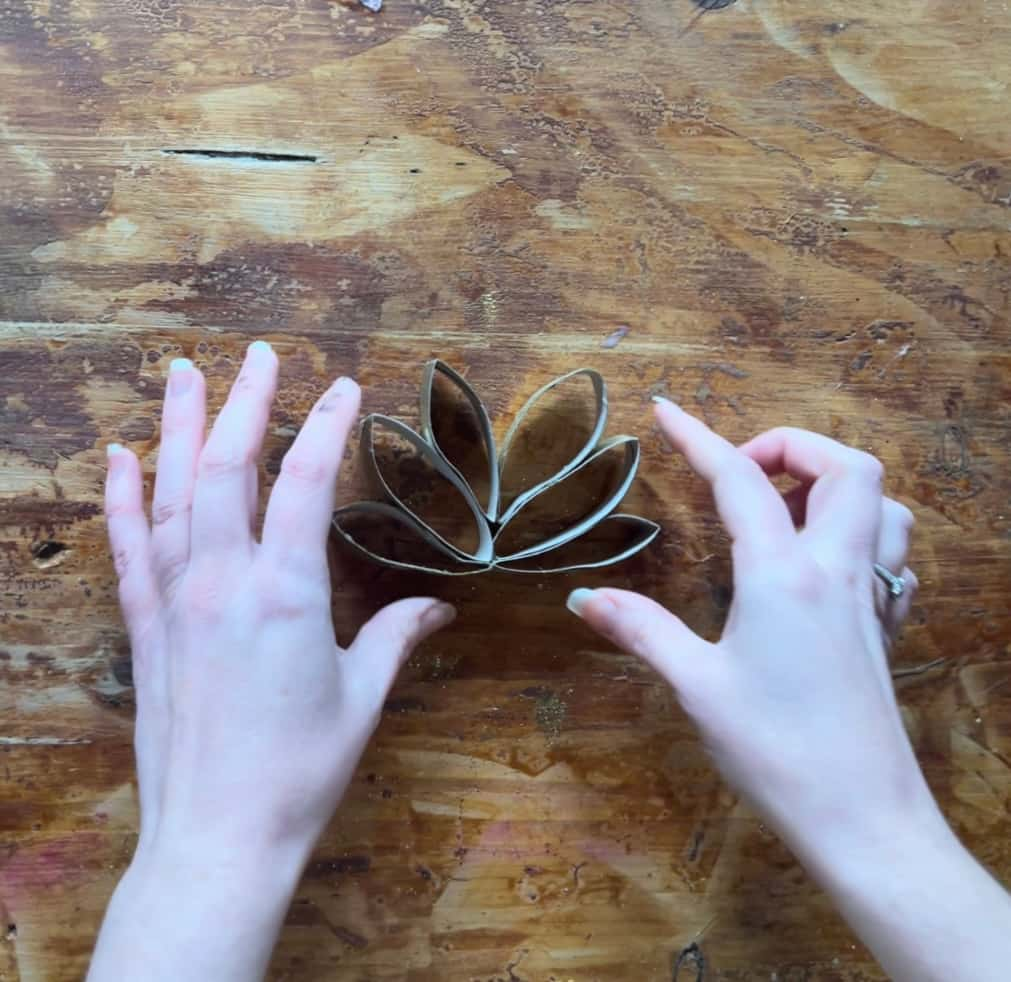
x,y
250,717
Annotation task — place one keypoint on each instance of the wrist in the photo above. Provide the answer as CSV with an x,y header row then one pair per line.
x,y
266,871
913,894
857,814
186,896
222,882
189,910
857,853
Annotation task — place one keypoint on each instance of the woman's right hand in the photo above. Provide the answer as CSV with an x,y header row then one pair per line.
x,y
795,702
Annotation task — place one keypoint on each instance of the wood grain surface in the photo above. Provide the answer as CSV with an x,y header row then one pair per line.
x,y
800,213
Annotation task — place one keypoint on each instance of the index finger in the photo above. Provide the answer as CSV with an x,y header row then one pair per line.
x,y
749,506
301,504
844,503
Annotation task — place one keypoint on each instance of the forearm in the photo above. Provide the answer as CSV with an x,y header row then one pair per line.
x,y
174,916
917,898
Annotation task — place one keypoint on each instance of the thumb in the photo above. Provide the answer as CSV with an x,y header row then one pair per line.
x,y
386,641
638,625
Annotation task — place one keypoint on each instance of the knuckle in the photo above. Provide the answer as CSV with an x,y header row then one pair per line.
x,y
780,433
292,595
400,638
175,421
123,560
171,566
903,517
851,577
286,605
304,468
639,637
788,436
801,577
202,597
245,384
867,466
329,402
216,464
303,565
169,508
122,508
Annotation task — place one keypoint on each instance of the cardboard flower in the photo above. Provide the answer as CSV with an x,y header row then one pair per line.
x,y
492,514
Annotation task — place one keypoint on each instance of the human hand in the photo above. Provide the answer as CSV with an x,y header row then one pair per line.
x,y
250,717
795,702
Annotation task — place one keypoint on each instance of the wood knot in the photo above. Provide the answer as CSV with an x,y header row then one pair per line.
x,y
690,958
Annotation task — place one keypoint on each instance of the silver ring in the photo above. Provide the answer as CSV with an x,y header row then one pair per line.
x,y
896,584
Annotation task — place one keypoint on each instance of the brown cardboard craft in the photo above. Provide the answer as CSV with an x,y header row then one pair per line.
x,y
492,516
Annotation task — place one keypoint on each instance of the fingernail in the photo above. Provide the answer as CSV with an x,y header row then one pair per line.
x,y
260,346
113,458
343,384
664,401
578,600
180,376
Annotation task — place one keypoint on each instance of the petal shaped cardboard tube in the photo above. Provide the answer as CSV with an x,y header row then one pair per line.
x,y
490,518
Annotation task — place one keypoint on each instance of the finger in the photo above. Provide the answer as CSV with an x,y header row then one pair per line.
x,y
897,523
898,609
844,502
129,537
750,507
302,502
639,626
386,641
182,438
224,498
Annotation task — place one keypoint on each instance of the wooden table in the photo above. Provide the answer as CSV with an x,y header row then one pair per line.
x,y
800,212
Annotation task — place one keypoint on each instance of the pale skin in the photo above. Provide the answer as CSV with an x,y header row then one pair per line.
x,y
251,718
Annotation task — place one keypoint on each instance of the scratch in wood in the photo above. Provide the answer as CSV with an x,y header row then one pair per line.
x,y
869,146
898,356
691,24
350,938
901,673
991,688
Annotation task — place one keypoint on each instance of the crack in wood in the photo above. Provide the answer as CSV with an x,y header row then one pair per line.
x,y
246,156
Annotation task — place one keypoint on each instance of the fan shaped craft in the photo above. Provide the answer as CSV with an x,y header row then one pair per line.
x,y
607,465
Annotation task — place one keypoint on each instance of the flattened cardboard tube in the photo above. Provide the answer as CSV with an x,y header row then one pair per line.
x,y
490,518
